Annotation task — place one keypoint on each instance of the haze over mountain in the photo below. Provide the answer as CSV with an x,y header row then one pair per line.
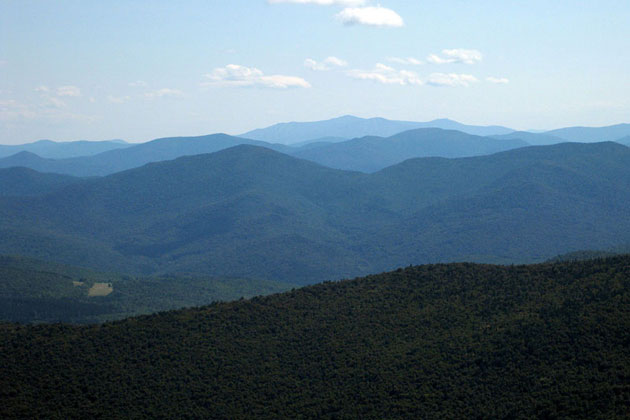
x,y
350,127
625,141
255,213
60,150
592,134
370,154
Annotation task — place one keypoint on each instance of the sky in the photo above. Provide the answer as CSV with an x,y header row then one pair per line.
x,y
144,69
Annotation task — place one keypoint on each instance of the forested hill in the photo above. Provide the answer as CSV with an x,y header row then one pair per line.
x,y
436,341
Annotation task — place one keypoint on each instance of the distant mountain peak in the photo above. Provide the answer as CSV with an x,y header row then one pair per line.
x,y
349,126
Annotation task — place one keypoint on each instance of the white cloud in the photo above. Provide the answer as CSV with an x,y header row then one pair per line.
x,y
116,99
405,61
234,75
456,56
387,75
68,91
371,16
138,83
328,64
322,2
42,89
451,79
498,80
164,92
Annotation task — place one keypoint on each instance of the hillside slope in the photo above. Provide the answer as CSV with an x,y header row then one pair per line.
x,y
438,341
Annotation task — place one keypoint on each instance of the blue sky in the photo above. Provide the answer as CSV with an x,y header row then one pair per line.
x,y
140,69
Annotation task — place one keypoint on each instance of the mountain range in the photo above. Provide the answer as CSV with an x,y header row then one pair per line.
x,y
60,150
348,143
363,154
251,212
350,127
131,157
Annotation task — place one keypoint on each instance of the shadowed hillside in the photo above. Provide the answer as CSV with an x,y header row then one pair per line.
x,y
438,341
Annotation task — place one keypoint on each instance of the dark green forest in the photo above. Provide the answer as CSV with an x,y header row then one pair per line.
x,y
434,341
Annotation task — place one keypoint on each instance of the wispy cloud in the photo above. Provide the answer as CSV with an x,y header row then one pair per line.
x,y
234,75
322,2
68,91
60,91
498,80
387,75
11,110
405,61
328,64
370,16
138,83
164,92
118,99
52,110
451,79
456,56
